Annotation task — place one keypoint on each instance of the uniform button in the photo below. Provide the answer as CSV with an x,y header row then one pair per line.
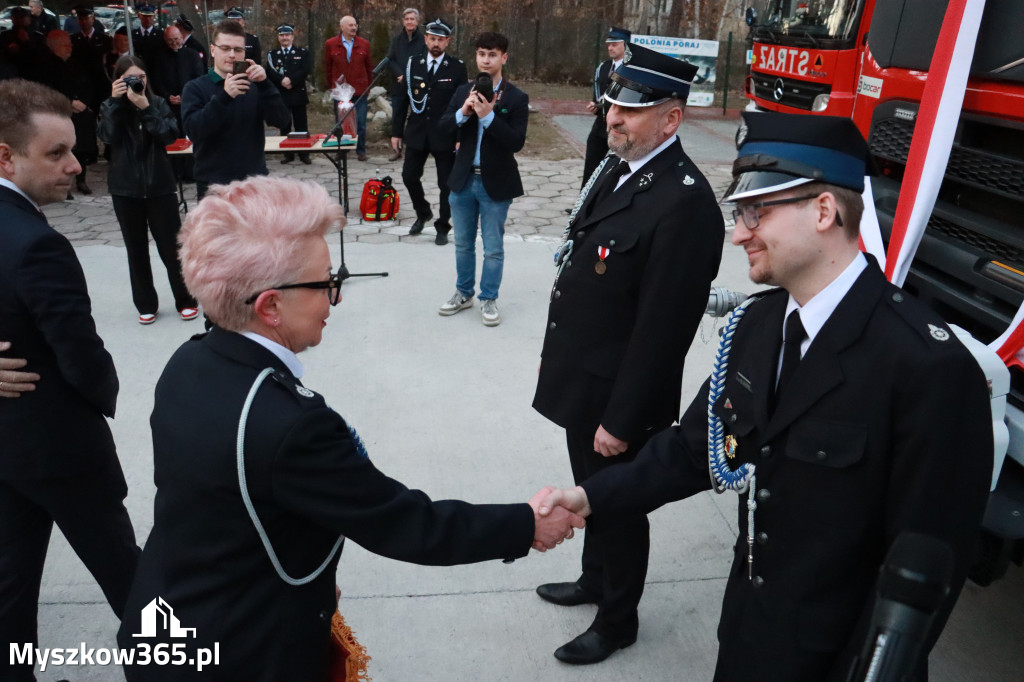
x,y
568,263
558,294
581,234
898,297
552,325
611,242
763,495
762,538
766,451
733,418
757,582
325,616
820,455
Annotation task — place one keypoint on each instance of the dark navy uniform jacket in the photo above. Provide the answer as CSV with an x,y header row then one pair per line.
x,y
295,65
884,428
423,130
308,484
616,340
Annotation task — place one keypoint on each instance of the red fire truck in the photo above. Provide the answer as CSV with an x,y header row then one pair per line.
x,y
970,263
806,54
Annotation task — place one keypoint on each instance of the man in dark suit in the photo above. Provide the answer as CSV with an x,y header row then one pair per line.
x,y
253,50
80,77
848,415
58,463
171,67
433,77
148,39
189,40
408,43
287,68
634,272
597,141
490,116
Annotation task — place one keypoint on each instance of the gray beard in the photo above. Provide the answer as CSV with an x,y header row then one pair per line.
x,y
633,150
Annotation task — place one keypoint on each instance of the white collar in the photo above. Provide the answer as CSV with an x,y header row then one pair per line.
x,y
4,182
290,359
634,166
616,64
433,60
815,313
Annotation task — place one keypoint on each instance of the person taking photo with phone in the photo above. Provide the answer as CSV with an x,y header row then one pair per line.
x,y
224,111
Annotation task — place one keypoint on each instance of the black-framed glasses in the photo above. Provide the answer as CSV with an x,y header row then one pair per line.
x,y
228,48
332,285
752,217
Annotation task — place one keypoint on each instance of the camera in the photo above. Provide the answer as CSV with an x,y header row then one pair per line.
x,y
485,86
137,85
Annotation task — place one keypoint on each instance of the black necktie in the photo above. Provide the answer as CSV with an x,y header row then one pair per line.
x,y
608,183
794,336
433,69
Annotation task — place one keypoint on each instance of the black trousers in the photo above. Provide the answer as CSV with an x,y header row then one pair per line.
x,y
89,510
299,122
412,171
615,551
139,217
597,148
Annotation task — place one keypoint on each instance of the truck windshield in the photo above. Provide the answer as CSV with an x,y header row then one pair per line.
x,y
815,22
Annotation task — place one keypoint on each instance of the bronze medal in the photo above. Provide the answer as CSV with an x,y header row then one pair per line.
x,y
600,268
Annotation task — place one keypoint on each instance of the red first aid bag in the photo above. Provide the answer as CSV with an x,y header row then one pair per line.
x,y
380,200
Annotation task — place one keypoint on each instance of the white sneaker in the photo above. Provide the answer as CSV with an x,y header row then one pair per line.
x,y
456,303
489,311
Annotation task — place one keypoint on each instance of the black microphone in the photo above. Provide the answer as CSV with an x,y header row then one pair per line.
x,y
380,67
912,584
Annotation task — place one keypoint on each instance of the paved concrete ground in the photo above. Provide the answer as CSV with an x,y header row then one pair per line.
x,y
444,405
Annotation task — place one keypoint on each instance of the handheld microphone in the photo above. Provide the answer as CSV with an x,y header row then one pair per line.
x,y
912,584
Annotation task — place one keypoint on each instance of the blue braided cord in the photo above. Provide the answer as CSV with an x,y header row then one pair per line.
x,y
724,478
360,448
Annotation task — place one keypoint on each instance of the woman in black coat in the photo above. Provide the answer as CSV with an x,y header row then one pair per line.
x,y
258,479
137,125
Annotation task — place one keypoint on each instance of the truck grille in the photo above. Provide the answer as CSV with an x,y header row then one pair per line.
x,y
795,93
890,139
992,248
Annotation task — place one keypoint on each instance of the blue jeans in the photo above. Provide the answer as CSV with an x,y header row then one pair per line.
x,y
468,205
360,114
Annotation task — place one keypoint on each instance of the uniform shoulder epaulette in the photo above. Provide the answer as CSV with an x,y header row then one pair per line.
x,y
919,317
688,175
302,395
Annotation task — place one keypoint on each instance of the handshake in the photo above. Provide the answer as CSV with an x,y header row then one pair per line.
x,y
556,515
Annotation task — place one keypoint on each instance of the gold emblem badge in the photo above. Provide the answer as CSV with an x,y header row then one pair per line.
x,y
730,446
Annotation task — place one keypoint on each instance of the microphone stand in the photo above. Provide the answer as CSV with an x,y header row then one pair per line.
x,y
341,163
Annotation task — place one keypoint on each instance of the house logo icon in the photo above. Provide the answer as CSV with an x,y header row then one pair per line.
x,y
158,617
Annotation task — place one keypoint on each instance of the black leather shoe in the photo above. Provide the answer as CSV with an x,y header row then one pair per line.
x,y
82,187
591,647
565,594
417,226
304,158
442,238
287,158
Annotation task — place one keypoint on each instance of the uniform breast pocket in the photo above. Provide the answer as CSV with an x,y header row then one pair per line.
x,y
827,443
612,258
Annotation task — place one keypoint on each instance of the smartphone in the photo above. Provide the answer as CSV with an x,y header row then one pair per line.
x,y
239,68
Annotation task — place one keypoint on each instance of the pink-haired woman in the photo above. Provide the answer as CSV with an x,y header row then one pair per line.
x,y
257,478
